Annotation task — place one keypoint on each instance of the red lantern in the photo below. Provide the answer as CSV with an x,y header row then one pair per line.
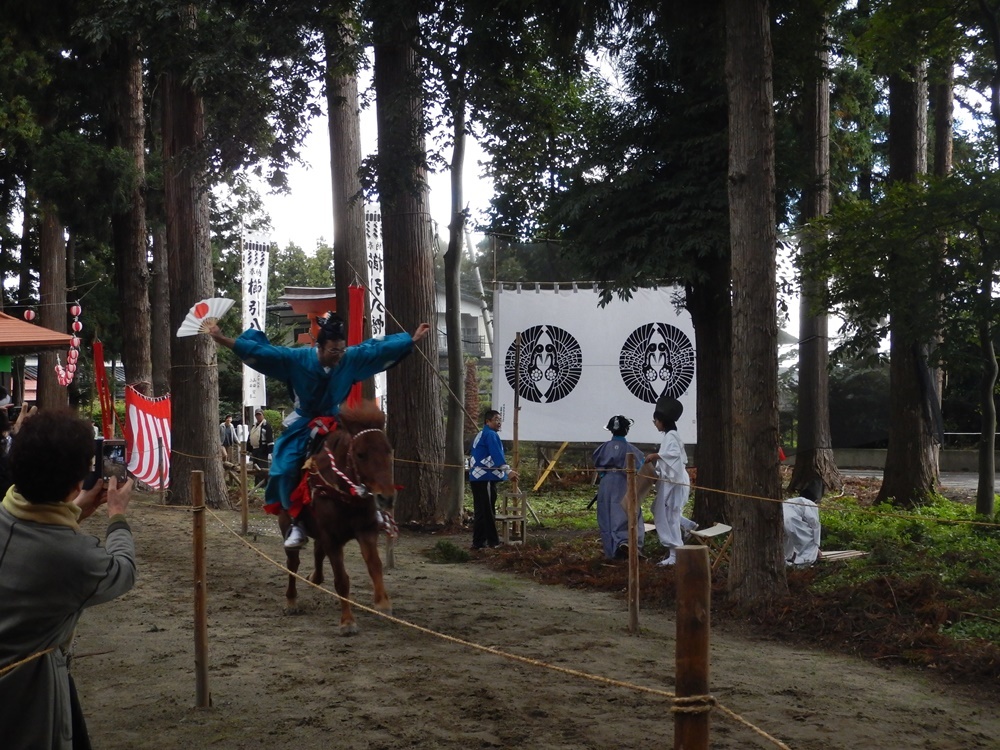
x,y
74,310
29,315
71,368
75,342
77,326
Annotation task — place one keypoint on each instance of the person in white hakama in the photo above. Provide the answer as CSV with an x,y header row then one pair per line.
x,y
673,483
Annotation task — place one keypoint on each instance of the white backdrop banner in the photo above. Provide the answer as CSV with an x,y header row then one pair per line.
x,y
255,264
582,364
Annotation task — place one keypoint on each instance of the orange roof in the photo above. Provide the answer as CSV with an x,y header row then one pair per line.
x,y
20,337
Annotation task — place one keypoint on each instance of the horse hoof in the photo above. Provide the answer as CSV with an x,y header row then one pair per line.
x,y
291,608
350,628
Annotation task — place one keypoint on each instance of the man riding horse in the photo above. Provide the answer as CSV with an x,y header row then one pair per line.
x,y
320,379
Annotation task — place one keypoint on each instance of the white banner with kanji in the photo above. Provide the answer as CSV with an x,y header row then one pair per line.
x,y
581,364
255,267
376,283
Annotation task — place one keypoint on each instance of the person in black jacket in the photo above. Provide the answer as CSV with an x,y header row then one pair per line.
x,y
260,440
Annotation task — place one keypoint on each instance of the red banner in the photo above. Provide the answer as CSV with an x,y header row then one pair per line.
x,y
104,396
355,331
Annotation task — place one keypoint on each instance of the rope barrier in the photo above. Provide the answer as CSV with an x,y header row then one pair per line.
x,y
707,705
37,655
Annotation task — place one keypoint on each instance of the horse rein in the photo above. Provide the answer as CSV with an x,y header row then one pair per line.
x,y
356,490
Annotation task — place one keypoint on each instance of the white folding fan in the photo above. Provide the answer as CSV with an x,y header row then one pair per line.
x,y
201,317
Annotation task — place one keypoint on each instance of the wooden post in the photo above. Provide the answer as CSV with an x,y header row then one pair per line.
x,y
633,547
390,553
694,593
244,511
515,492
203,699
159,469
517,399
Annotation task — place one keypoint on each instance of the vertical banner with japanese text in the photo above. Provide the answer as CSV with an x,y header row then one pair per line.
x,y
376,288
255,264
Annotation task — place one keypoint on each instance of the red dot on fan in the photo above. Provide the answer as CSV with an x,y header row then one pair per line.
x,y
201,310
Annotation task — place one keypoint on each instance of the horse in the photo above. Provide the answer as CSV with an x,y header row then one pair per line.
x,y
349,480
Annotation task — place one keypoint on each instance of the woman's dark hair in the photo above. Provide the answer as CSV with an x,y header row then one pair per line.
x,y
665,420
618,426
51,453
331,328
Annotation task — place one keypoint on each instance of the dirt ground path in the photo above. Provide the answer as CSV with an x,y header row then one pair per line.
x,y
280,681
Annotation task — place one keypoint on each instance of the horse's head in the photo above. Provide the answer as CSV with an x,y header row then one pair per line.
x,y
363,448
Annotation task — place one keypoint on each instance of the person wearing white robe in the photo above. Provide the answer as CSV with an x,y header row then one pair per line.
x,y
673,483
802,527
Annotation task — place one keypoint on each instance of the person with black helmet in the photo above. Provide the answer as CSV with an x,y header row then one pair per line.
x,y
673,483
320,379
612,515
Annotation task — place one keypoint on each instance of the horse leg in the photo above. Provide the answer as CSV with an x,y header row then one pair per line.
x,y
291,597
369,551
319,553
342,585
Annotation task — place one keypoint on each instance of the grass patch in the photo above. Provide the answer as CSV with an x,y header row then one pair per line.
x,y
445,552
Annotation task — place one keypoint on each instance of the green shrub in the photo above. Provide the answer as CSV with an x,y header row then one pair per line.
x,y
447,552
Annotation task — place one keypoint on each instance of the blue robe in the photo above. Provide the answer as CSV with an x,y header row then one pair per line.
x,y
612,516
318,392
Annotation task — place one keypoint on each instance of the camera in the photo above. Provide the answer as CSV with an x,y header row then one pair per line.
x,y
109,461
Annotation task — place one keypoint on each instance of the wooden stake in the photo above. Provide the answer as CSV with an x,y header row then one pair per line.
x,y
159,468
694,593
244,511
203,698
633,547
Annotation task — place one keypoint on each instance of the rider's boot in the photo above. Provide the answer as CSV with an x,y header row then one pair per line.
x,y
296,537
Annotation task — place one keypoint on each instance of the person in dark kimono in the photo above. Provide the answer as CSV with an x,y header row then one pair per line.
x,y
612,515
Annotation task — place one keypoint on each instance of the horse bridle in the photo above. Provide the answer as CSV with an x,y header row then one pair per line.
x,y
356,490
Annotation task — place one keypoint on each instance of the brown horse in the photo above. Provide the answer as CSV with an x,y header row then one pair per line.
x,y
352,467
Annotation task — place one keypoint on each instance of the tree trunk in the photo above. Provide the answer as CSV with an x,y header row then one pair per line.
x,y
454,448
413,402
128,130
757,571
159,297
51,304
711,315
472,407
159,284
194,377
814,453
985,491
350,260
910,462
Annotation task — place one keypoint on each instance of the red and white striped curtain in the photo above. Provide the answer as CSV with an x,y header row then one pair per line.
x,y
147,438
